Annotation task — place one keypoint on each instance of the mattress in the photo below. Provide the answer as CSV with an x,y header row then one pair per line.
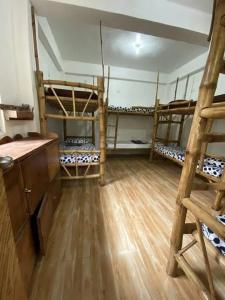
x,y
216,241
78,158
212,166
128,145
146,110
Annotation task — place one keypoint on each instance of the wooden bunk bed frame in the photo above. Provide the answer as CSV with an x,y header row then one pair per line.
x,y
119,113
87,106
206,111
167,114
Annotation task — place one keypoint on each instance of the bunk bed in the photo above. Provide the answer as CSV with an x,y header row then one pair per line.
x,y
210,166
207,227
134,144
71,101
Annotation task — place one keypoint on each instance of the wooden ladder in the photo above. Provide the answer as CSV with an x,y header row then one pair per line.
x,y
199,136
115,126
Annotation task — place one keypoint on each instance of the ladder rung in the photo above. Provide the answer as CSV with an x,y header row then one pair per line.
x,y
111,125
165,140
220,186
168,122
213,112
213,137
110,137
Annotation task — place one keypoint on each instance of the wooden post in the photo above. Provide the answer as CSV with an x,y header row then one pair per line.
x,y
116,130
205,144
168,132
155,120
93,129
100,82
41,100
175,92
64,129
205,99
154,129
101,46
180,130
35,39
219,196
186,87
107,103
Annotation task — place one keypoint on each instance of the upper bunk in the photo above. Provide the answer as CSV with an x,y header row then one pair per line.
x,y
130,111
68,100
66,97
184,107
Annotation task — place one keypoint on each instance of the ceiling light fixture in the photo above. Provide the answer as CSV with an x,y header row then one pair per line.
x,y
137,45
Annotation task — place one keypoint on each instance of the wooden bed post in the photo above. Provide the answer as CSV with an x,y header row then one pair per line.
x,y
206,94
64,129
180,130
107,102
41,99
35,38
100,82
205,144
155,120
93,129
154,129
168,132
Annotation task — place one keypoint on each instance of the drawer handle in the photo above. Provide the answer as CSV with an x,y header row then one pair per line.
x,y
27,190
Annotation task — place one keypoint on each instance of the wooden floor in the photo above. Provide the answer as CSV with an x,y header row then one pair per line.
x,y
112,242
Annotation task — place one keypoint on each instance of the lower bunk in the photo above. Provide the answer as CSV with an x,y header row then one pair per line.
x,y
212,168
79,159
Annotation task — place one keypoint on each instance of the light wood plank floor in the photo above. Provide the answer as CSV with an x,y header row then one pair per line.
x,y
112,242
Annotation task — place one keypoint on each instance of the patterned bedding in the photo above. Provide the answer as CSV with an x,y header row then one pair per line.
x,y
217,242
145,110
80,158
212,166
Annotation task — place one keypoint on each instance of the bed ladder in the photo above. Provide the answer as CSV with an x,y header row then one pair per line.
x,y
115,127
205,110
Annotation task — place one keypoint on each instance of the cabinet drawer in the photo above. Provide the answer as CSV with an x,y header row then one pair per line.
x,y
46,213
27,255
53,160
16,198
35,175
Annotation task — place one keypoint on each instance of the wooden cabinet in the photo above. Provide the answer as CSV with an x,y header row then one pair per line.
x,y
53,160
33,191
36,179
27,254
16,199
11,283
46,212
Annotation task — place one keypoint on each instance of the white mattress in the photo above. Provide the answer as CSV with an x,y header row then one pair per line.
x,y
128,145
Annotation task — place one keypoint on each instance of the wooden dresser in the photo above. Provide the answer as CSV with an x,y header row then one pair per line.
x,y
33,191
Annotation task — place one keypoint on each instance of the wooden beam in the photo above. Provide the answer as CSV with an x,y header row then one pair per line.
x,y
213,137
217,227
71,84
192,276
61,117
213,112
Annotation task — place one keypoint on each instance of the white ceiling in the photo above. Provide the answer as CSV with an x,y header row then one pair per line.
x,y
202,5
81,42
77,35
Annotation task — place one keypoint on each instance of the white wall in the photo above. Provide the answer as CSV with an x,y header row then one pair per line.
x,y
195,68
128,87
17,84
